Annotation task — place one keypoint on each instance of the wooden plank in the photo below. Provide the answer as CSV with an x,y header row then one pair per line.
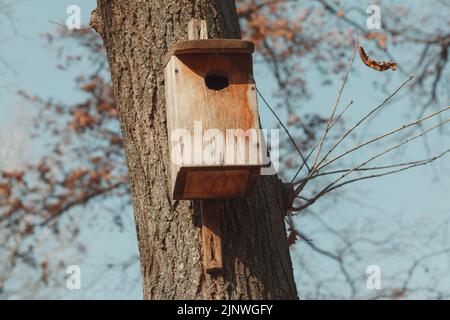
x,y
211,233
189,101
215,184
219,182
225,167
210,46
197,29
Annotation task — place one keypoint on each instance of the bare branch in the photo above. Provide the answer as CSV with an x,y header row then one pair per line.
x,y
315,146
330,187
416,164
333,110
364,118
284,128
384,135
405,164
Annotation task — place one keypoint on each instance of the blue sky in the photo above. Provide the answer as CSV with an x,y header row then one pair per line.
x,y
410,197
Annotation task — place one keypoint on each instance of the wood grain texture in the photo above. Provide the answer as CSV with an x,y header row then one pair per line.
x,y
190,101
256,260
210,46
195,182
197,29
211,235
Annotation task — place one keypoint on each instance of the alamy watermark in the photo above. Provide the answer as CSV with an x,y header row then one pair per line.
x,y
373,277
374,20
231,147
73,281
74,19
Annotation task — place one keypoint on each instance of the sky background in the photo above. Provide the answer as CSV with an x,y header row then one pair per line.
x,y
416,197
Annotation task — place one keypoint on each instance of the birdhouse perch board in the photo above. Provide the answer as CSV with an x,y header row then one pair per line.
x,y
212,119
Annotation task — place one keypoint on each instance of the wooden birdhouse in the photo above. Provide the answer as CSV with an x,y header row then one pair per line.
x,y
212,118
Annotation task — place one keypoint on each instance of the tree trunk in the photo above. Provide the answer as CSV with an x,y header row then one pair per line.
x,y
256,258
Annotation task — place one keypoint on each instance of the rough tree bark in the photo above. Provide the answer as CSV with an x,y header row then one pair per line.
x,y
257,264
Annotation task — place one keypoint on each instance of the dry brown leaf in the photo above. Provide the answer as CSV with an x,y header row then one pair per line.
x,y
398,294
74,177
13,175
89,87
43,168
116,140
5,190
292,237
376,65
96,160
82,119
96,177
16,204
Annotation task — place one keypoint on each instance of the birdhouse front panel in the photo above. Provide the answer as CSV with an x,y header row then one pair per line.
x,y
212,120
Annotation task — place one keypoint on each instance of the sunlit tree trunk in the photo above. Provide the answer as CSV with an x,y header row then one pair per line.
x,y
257,264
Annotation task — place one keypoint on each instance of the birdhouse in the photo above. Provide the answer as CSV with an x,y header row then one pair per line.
x,y
212,119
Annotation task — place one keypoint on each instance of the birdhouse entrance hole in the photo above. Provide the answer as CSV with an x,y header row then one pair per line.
x,y
216,81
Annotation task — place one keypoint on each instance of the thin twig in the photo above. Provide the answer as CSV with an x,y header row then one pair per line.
x,y
332,184
284,127
342,113
317,143
301,167
376,168
382,136
336,105
364,118
376,175
65,26
312,170
314,199
393,148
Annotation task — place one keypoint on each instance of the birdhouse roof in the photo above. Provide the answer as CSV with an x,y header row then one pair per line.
x,y
210,46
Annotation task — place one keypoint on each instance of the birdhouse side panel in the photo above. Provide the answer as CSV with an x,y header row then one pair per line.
x,y
171,109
